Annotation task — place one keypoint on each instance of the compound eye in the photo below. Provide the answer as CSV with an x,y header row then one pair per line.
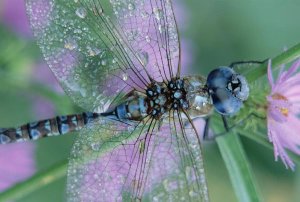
x,y
219,78
225,103
240,87
227,89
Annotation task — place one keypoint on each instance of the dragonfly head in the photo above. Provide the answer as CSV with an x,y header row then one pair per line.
x,y
227,89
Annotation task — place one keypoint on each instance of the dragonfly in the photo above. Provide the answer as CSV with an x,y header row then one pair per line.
x,y
120,60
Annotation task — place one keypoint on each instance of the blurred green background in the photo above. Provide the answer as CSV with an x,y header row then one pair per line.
x,y
213,33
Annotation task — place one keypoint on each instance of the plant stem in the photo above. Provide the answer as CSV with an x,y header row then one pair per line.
x,y
285,57
238,167
34,183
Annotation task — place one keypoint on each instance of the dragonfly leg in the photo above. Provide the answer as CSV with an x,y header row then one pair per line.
x,y
206,130
206,136
245,119
225,123
228,128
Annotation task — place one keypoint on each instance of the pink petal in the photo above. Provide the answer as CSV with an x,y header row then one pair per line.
x,y
279,151
17,163
292,70
284,130
286,86
270,75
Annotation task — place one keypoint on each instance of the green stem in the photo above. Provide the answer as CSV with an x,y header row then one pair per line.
x,y
34,183
285,57
238,167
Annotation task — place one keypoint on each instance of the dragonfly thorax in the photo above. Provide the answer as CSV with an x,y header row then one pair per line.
x,y
187,94
198,97
162,97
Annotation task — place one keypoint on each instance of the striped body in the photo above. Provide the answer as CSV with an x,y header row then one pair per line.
x,y
133,108
188,94
59,125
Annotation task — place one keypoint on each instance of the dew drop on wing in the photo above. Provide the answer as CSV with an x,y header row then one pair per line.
x,y
81,12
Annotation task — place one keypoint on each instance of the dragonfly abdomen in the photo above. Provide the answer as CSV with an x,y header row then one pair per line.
x,y
59,125
134,108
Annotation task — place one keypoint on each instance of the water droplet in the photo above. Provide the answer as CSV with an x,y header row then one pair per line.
x,y
130,128
70,44
144,14
148,39
143,58
92,51
193,194
131,35
125,77
160,28
174,49
103,54
77,31
190,174
158,197
103,62
96,176
97,11
120,178
81,12
158,13
131,6
170,185
83,92
95,146
115,60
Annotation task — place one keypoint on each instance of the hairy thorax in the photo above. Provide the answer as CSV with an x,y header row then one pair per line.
x,y
187,94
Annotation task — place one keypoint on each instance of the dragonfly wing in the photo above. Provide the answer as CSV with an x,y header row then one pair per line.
x,y
92,53
151,29
84,51
111,163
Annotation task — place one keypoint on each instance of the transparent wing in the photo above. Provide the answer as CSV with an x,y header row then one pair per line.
x,y
92,56
114,163
151,29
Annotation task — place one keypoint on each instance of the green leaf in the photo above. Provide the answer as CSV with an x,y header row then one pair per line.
x,y
238,167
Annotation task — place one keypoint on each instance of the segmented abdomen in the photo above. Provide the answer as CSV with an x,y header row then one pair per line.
x,y
59,125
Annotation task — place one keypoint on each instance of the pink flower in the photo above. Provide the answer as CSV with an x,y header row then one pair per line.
x,y
14,16
17,163
283,111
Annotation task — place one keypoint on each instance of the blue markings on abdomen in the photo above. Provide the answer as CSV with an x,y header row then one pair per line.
x,y
121,111
133,109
